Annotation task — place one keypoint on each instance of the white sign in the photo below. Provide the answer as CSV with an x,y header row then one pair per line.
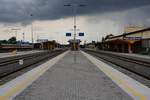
x,y
21,62
42,40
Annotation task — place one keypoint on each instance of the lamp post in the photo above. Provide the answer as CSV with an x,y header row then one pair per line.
x,y
75,24
32,31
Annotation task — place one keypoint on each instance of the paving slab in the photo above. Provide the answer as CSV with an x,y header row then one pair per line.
x,y
67,80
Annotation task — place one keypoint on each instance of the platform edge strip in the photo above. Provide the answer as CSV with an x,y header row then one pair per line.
x,y
11,89
109,71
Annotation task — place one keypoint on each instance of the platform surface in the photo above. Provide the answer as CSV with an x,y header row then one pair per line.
x,y
130,55
3,55
137,55
67,80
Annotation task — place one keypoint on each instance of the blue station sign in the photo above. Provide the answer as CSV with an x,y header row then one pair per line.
x,y
81,34
68,34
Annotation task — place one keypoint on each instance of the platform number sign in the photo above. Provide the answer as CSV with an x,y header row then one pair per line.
x,y
68,34
81,34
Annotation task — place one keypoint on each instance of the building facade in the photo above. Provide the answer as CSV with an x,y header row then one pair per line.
x,y
133,42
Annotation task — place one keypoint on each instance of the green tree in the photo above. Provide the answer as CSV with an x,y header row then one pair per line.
x,y
12,40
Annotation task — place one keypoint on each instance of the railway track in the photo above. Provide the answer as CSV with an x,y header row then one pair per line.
x,y
11,59
137,67
15,59
11,65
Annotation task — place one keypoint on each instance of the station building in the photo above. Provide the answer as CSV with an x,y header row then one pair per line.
x,y
77,44
132,42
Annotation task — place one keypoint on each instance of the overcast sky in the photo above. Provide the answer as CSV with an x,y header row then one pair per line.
x,y
51,20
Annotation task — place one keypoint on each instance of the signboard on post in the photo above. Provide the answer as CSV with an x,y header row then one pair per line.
x,y
81,34
68,34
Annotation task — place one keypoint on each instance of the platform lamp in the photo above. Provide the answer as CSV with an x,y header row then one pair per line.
x,y
75,6
75,12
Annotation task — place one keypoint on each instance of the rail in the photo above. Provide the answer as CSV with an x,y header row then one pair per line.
x,y
11,65
138,67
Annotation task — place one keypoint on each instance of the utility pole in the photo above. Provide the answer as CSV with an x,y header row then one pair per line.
x,y
16,31
23,37
32,32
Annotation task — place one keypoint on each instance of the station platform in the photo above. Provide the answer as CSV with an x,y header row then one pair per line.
x,y
63,79
3,55
137,55
131,55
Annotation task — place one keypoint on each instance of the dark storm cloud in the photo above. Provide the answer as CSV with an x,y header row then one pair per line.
x,y
12,11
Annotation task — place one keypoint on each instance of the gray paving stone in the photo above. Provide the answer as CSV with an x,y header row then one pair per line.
x,y
69,81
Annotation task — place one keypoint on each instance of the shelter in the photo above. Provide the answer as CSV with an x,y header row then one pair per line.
x,y
74,44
